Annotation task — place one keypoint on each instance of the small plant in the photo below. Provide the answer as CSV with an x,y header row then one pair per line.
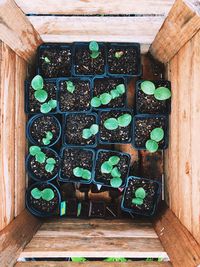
x,y
50,164
46,140
46,60
94,48
88,132
122,121
119,54
80,259
46,194
161,93
70,86
37,84
156,136
140,195
106,98
47,107
116,260
82,173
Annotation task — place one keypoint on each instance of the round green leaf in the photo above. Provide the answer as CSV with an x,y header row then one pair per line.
x,y
157,134
79,209
86,175
115,172
52,103
78,172
94,129
137,201
114,160
49,167
162,93
124,120
36,193
119,54
45,141
45,108
114,93
121,88
51,161
33,150
140,193
148,87
94,54
86,133
106,167
105,98
40,157
93,46
151,146
41,95
48,194
111,124
70,86
37,82
116,182
95,102
49,135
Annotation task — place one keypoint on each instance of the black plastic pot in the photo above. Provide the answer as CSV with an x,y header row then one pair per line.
x,y
97,209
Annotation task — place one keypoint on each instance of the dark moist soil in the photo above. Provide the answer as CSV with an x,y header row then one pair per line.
x,y
79,100
85,65
143,128
120,135
38,169
34,104
41,126
151,189
71,207
60,63
105,85
127,64
44,206
75,123
97,209
112,211
148,104
73,158
122,166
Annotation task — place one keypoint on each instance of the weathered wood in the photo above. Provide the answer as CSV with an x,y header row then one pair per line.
x,y
182,248
181,24
15,236
16,30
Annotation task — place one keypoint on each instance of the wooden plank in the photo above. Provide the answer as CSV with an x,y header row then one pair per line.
x,y
182,248
78,7
15,236
16,30
182,23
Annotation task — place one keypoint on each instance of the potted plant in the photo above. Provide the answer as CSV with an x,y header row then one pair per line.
x,y
97,209
89,58
43,130
54,60
41,95
153,97
141,196
43,199
74,94
77,165
115,126
109,92
80,129
112,168
42,163
124,59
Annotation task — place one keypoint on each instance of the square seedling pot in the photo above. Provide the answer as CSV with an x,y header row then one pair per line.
x,y
162,121
65,53
136,61
97,209
81,46
79,97
149,103
74,158
133,183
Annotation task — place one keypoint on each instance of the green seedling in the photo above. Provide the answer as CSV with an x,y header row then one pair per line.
x,y
156,136
94,48
88,132
46,194
82,173
80,259
46,60
47,139
50,164
116,260
119,54
160,93
140,195
47,107
70,86
122,121
37,84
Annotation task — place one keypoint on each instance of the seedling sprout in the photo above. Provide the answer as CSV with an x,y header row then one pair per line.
x,y
161,93
122,121
94,48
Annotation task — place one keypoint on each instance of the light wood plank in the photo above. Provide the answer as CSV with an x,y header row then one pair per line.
x,y
182,23
16,30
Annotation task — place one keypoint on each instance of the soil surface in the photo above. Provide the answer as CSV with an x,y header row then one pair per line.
x,y
59,65
112,211
120,135
143,128
79,100
97,209
41,126
75,124
148,104
105,85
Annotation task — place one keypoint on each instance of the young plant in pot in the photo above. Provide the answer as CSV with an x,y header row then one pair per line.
x,y
112,168
141,196
43,199
108,93
42,163
77,165
55,60
43,130
74,94
153,97
150,132
80,129
115,126
41,95
90,58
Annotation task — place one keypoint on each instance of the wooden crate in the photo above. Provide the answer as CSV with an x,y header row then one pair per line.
x,y
170,31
